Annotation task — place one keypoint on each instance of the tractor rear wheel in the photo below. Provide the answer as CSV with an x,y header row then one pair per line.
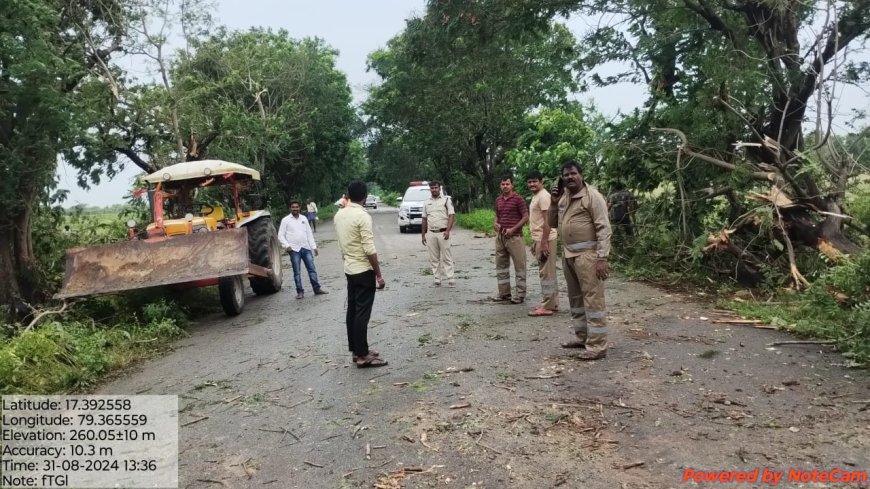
x,y
232,294
264,250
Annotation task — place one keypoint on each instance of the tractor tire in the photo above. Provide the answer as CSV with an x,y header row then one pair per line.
x,y
264,250
232,294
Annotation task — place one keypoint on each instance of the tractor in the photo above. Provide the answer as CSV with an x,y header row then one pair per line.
x,y
203,232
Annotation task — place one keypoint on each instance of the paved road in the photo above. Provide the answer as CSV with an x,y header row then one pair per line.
x,y
480,395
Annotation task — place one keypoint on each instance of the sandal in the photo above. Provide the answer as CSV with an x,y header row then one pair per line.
x,y
574,344
370,361
501,299
518,300
540,311
371,352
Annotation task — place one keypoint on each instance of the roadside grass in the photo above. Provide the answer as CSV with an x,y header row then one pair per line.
x,y
326,212
72,356
97,336
482,220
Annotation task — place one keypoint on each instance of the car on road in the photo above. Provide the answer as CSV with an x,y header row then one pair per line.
x,y
411,207
371,201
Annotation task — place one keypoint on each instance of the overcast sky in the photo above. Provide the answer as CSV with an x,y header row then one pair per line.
x,y
355,29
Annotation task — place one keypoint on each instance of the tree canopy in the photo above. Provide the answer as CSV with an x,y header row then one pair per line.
x,y
457,86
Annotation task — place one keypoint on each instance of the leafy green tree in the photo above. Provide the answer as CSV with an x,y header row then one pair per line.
x,y
458,83
733,83
49,50
554,135
276,103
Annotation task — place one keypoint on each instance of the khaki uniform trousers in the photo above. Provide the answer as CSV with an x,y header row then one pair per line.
x,y
586,296
440,256
507,249
547,274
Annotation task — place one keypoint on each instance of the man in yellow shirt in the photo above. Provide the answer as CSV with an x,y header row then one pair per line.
x,y
353,226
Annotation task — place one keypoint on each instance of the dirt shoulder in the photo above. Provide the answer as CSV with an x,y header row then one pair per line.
x,y
481,395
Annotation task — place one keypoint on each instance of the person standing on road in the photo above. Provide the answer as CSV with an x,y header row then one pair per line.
x,y
511,214
543,245
438,215
353,226
312,214
580,212
296,237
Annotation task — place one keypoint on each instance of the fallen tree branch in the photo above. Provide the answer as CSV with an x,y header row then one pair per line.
x,y
45,313
799,280
684,148
477,442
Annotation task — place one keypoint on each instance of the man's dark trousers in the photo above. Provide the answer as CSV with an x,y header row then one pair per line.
x,y
360,298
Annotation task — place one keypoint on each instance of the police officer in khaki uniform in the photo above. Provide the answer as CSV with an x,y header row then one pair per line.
x,y
580,212
438,215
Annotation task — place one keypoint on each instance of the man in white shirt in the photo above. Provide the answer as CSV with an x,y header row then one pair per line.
x,y
296,237
312,214
438,216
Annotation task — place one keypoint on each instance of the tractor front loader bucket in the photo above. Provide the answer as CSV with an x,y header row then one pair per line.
x,y
139,264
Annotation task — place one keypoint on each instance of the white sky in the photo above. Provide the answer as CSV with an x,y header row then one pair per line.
x,y
355,29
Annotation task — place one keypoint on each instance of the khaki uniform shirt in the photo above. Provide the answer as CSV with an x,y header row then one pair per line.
x,y
437,211
583,221
353,226
538,215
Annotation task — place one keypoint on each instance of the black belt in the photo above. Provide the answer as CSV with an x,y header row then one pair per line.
x,y
438,230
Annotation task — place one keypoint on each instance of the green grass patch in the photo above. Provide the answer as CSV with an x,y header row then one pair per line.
x,y
326,212
482,220
58,358
95,337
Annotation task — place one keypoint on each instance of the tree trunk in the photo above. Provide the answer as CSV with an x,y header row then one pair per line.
x,y
18,268
25,261
9,291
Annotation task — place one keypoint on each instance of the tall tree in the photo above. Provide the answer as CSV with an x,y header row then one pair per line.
x,y
726,74
275,102
458,82
48,49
